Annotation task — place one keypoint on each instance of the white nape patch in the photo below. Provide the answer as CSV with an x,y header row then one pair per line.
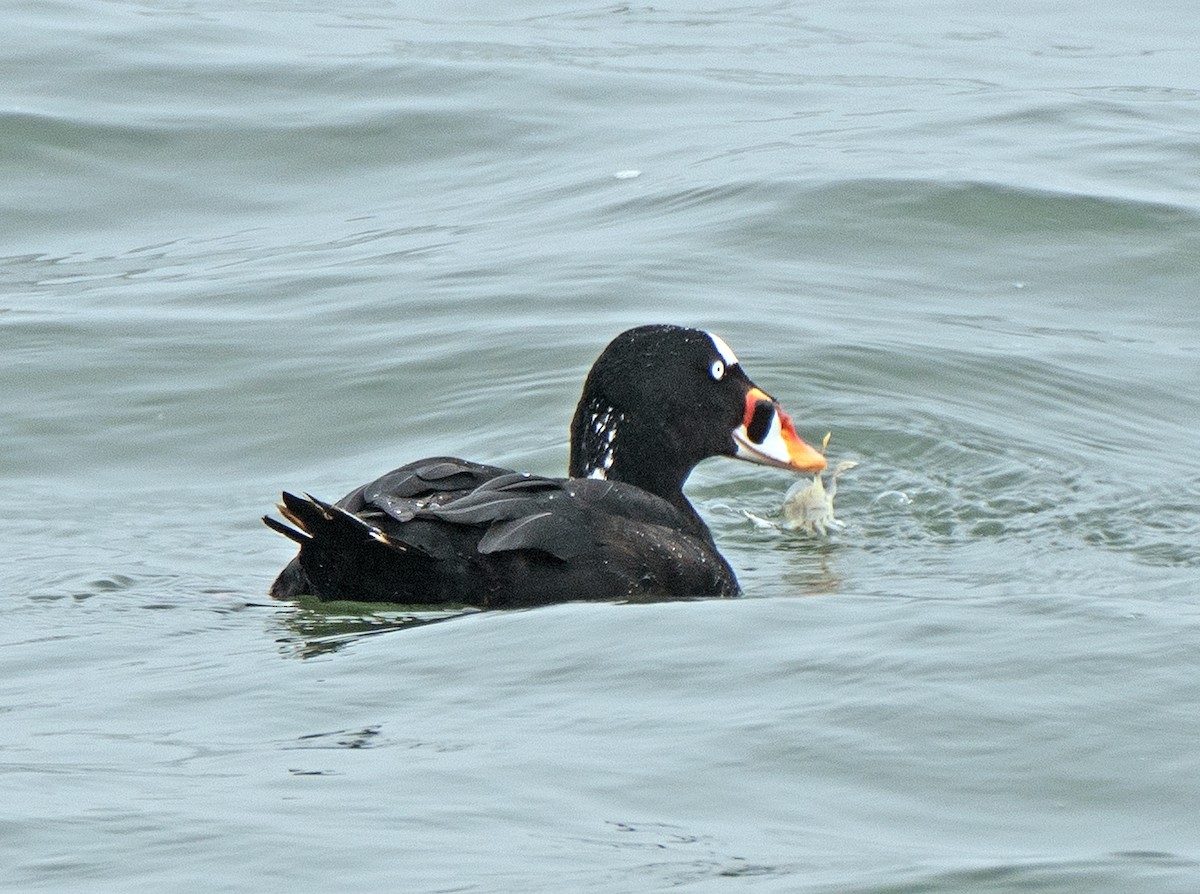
x,y
603,425
723,349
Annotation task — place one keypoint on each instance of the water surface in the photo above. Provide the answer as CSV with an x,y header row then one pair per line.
x,y
276,246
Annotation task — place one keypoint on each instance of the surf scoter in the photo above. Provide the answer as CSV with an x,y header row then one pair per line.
x,y
444,530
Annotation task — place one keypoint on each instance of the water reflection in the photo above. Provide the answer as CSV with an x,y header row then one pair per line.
x,y
317,628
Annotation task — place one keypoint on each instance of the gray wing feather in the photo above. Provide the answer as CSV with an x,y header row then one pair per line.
x,y
541,532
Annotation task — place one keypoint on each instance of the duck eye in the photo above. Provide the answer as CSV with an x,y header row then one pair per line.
x,y
717,370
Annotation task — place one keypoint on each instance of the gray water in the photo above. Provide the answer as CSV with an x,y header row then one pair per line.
x,y
248,247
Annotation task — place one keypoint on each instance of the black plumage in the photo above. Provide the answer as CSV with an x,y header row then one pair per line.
x,y
446,530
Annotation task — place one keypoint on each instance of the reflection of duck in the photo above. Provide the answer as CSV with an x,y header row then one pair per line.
x,y
658,400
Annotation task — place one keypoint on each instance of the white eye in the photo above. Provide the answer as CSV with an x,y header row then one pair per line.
x,y
717,370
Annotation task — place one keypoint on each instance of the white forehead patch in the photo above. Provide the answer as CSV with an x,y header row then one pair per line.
x,y
723,349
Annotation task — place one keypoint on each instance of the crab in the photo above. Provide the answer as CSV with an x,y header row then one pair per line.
x,y
808,504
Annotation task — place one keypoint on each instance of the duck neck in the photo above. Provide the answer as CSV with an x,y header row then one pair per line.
x,y
608,443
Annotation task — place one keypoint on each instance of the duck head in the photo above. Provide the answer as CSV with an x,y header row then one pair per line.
x,y
662,398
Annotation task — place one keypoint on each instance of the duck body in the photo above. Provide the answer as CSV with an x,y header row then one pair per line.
x,y
445,530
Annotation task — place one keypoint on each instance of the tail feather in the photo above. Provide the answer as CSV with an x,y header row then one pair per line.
x,y
313,519
346,556
304,512
290,533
